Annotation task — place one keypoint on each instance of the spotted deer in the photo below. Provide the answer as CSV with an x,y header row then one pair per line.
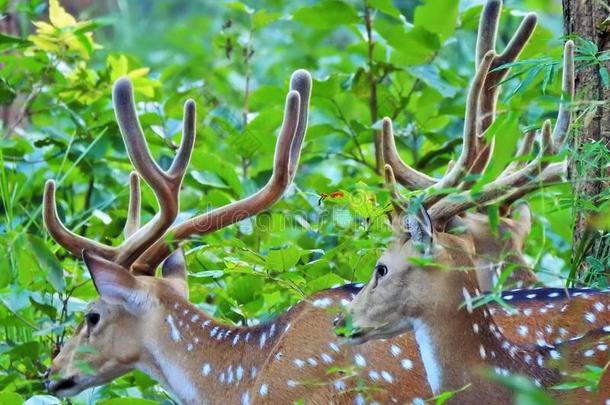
x,y
199,359
426,283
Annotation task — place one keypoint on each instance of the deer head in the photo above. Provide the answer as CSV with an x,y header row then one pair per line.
x,y
114,337
412,276
119,332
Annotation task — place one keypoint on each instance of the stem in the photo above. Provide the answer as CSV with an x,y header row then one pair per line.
x,y
373,107
248,52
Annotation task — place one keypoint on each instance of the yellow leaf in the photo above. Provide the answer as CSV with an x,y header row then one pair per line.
x,y
58,16
43,27
44,44
138,73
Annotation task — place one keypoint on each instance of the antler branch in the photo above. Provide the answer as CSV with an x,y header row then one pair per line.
x,y
165,185
286,160
132,224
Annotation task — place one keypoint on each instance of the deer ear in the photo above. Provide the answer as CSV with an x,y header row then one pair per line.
x,y
115,284
174,272
419,226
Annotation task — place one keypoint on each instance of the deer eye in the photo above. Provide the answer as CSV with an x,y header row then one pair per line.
x,y
381,270
92,318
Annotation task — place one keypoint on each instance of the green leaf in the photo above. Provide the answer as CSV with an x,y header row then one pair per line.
x,y
385,6
263,18
11,42
414,47
327,14
283,259
430,75
239,6
7,93
48,263
437,16
603,72
10,398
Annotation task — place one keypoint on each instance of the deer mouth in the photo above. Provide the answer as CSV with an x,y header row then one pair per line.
x,y
63,387
360,335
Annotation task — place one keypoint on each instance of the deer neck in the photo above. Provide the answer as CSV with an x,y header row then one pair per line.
x,y
202,361
459,343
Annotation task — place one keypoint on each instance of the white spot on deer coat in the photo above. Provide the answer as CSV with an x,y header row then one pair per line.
x,y
245,398
373,375
467,300
322,302
395,350
173,330
522,330
339,385
360,360
206,369
406,364
239,373
263,340
387,376
235,339
299,363
326,358
263,390
590,317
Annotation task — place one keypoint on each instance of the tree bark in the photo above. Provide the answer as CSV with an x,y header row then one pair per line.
x,y
587,19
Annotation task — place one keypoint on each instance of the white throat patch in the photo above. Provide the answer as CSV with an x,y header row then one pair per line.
x,y
428,354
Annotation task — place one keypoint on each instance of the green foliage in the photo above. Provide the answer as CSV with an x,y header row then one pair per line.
x,y
235,60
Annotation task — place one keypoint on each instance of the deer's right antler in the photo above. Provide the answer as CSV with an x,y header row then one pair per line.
x,y
480,109
144,248
165,184
287,153
519,177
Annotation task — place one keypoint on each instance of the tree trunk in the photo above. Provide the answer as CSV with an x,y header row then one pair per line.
x,y
589,173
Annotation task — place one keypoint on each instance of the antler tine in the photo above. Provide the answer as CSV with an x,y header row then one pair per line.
x,y
409,177
73,242
301,83
486,41
285,164
454,176
132,224
500,188
567,95
488,29
166,185
398,201
524,150
552,174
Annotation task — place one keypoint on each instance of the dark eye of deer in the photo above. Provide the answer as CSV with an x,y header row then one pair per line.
x,y
92,318
381,270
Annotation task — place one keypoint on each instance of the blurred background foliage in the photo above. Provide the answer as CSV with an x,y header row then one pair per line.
x,y
235,59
